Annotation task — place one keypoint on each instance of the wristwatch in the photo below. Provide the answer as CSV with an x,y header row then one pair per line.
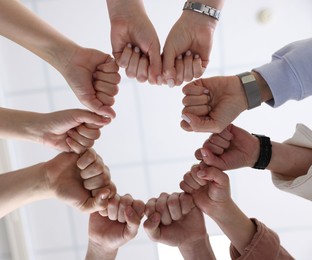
x,y
251,89
201,8
265,152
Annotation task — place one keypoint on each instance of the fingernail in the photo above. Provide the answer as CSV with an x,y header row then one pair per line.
x,y
188,53
203,152
159,80
201,174
179,57
129,45
137,49
206,91
187,119
196,56
170,83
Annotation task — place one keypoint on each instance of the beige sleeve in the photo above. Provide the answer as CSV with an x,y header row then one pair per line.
x,y
300,186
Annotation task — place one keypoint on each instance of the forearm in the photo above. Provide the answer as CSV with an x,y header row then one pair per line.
x,y
198,250
20,25
235,225
121,9
17,124
290,160
21,187
99,252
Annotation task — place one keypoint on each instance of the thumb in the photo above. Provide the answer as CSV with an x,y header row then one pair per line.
x,y
169,70
155,68
151,226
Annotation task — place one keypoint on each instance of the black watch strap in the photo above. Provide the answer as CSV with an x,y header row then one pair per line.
x,y
265,152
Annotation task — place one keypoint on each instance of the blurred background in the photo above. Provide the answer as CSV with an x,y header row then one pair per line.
x,y
145,148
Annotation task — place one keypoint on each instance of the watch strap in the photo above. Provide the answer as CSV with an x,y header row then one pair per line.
x,y
251,89
265,152
201,8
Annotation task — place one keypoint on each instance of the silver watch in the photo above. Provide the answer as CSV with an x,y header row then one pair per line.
x,y
203,9
251,88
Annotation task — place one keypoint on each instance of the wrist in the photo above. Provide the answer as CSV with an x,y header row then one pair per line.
x,y
122,9
197,250
99,252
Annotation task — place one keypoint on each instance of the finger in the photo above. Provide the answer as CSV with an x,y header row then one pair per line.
x,y
133,223
142,73
214,175
75,146
179,64
174,206
96,182
112,78
82,140
93,204
198,69
107,100
139,207
185,187
131,70
124,59
151,226
201,111
94,169
186,202
162,208
203,124
88,132
109,67
150,207
188,66
189,180
155,64
169,71
196,100
198,181
110,89
112,208
86,159
195,88
125,201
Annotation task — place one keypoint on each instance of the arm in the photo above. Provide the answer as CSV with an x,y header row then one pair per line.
x,y
211,104
107,234
210,189
75,63
209,108
192,32
288,74
235,148
170,220
67,130
58,178
134,40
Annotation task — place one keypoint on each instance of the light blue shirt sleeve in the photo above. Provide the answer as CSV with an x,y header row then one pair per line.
x,y
289,74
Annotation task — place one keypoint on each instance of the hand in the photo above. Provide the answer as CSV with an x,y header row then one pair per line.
x,y
69,130
93,76
171,218
64,181
210,188
96,176
211,104
191,36
231,149
107,234
134,40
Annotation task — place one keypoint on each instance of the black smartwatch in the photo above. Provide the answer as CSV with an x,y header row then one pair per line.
x,y
265,152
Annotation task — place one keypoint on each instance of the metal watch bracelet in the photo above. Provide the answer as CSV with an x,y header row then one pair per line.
x,y
203,9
